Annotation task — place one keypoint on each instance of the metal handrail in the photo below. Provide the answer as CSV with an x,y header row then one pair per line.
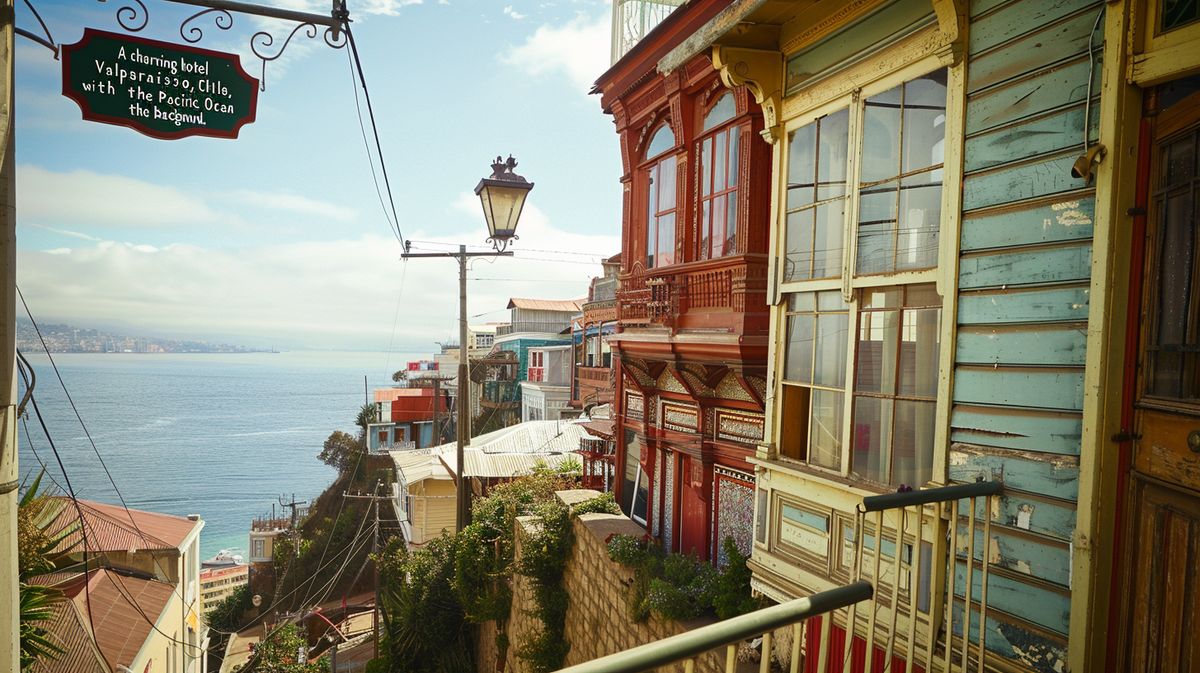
x,y
652,655
925,496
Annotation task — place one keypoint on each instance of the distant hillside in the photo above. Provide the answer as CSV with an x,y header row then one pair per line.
x,y
70,339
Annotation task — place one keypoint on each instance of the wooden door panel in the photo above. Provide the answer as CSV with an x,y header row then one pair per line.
x,y
1164,452
1163,606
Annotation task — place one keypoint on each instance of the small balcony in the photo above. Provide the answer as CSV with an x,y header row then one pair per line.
x,y
728,292
545,327
500,395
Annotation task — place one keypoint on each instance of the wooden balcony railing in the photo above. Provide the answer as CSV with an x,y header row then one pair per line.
x,y
595,375
666,295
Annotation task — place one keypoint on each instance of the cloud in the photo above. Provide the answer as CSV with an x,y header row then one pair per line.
x,y
578,49
329,294
294,203
86,198
508,10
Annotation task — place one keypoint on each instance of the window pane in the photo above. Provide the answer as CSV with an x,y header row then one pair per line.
x,y
881,137
706,166
802,163
919,339
876,229
666,240
666,184
831,300
924,121
798,263
720,158
633,452
827,242
798,359
872,438
830,365
662,140
731,225
1176,13
831,162
825,435
734,138
801,301
705,239
718,225
920,213
878,332
912,459
723,111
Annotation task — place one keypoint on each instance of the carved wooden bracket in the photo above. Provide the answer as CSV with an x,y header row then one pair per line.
x,y
952,22
759,70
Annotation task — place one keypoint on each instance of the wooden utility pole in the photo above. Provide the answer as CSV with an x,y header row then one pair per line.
x,y
374,498
9,591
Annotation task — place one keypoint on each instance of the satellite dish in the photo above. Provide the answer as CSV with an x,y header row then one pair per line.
x,y
256,601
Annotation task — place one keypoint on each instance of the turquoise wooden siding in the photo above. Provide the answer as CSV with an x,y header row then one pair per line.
x,y
1024,271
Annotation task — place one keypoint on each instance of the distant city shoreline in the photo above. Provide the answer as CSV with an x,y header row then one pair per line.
x,y
61,338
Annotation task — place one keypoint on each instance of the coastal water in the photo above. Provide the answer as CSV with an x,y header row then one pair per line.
x,y
219,435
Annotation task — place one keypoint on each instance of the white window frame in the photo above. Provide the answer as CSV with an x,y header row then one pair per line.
x,y
823,98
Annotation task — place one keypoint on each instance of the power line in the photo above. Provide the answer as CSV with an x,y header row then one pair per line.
x,y
374,129
394,226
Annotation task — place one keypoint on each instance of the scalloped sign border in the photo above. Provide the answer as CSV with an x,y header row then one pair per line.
x,y
159,89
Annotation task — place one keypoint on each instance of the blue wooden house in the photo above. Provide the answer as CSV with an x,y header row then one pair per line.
x,y
985,273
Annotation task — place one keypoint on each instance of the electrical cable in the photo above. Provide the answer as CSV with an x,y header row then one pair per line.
x,y
394,226
375,129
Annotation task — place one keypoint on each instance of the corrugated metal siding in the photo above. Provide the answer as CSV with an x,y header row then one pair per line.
x,y
1025,262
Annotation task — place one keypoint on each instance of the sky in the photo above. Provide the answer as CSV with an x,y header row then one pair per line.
x,y
279,238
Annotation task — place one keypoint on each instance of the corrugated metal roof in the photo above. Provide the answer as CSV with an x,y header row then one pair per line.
x,y
118,607
113,528
503,465
571,305
415,466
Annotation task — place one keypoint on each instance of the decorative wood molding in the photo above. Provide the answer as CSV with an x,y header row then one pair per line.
x,y
952,22
759,70
847,12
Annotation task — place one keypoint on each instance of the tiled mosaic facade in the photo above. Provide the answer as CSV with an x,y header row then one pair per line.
x,y
733,498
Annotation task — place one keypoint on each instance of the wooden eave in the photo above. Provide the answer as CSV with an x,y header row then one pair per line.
x,y
641,62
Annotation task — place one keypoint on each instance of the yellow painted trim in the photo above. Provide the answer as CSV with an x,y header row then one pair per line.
x,y
1167,63
1091,558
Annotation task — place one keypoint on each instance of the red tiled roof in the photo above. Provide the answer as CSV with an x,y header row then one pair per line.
x,y
545,304
120,608
113,528
600,428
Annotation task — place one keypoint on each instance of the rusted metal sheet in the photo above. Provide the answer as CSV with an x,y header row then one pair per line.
x,y
1058,264
1023,305
1021,429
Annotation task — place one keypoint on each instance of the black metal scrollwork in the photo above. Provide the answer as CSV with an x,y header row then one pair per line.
x,y
221,19
263,40
133,19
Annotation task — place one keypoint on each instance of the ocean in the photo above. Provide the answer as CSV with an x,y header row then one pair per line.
x,y
215,434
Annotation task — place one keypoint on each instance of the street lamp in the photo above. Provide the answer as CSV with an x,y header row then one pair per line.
x,y
502,195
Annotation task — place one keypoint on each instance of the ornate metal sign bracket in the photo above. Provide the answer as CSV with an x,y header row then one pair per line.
x,y
133,16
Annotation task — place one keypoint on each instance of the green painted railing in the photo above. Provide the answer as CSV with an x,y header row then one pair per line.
x,y
726,633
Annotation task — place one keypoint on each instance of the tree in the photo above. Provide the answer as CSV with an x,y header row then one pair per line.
x,y
400,375
279,653
39,543
367,415
341,451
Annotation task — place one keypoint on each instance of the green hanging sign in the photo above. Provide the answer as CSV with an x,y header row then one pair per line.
x,y
163,90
